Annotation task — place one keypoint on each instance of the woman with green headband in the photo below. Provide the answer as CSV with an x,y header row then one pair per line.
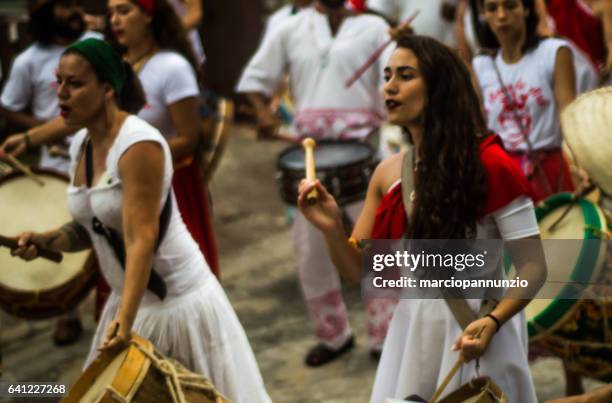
x,y
121,199
152,40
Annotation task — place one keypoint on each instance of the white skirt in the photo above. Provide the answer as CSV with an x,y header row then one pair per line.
x,y
201,330
417,354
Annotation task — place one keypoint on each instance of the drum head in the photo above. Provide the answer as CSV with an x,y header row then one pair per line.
x,y
327,155
27,206
580,261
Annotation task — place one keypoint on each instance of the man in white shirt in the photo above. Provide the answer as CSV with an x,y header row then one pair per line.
x,y
319,48
29,96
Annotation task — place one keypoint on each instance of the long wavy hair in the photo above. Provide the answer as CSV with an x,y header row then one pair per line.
x,y
487,38
168,32
451,181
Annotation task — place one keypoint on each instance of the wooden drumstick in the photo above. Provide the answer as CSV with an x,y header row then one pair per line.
x,y
451,373
376,54
24,169
42,252
309,145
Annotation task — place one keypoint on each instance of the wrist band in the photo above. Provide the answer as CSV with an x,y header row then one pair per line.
x,y
497,322
26,138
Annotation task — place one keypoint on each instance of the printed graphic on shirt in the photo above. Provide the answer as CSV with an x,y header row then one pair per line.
x,y
515,114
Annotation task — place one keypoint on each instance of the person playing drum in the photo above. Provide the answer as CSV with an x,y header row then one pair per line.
x,y
28,98
154,43
320,47
466,187
162,287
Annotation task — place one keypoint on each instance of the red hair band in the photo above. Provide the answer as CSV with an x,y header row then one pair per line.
x,y
148,6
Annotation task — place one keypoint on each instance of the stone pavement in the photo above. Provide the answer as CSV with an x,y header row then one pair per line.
x,y
254,240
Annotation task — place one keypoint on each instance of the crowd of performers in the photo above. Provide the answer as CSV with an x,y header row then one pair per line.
x,y
117,110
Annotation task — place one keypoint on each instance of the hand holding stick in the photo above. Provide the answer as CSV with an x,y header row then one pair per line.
x,y
24,169
309,145
42,252
451,373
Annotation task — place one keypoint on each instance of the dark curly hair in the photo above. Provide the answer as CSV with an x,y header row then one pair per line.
x,y
451,185
486,37
168,32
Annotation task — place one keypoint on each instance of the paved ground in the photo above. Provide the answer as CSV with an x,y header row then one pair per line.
x,y
256,256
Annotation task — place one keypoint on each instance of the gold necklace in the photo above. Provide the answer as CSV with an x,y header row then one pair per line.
x,y
139,63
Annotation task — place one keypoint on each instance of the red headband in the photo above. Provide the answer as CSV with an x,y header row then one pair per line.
x,y
148,6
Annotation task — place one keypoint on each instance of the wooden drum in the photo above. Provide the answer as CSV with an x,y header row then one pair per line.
x,y
140,373
40,289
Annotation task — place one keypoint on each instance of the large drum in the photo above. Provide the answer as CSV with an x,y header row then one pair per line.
x,y
343,167
577,330
39,289
141,374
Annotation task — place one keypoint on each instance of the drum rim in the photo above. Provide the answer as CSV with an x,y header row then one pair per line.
x,y
135,372
29,299
553,314
36,170
293,147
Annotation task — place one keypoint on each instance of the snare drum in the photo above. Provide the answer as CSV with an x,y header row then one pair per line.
x,y
579,331
40,289
140,373
343,167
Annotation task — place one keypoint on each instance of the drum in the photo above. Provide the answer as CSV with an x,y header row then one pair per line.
x,y
579,331
141,374
218,115
40,289
343,167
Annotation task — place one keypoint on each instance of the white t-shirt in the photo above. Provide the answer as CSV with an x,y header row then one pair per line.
x,y
530,83
318,65
166,78
193,34
32,83
429,22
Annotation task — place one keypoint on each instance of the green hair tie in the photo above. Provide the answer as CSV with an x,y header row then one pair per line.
x,y
104,60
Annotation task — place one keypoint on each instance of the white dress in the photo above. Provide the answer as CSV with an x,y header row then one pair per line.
x,y
195,323
417,354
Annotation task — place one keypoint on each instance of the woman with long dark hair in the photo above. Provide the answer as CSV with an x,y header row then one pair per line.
x,y
121,198
465,187
525,84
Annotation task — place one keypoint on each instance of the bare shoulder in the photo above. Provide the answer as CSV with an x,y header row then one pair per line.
x,y
388,172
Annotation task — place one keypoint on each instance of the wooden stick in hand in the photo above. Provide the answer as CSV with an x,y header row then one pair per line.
x,y
24,169
451,373
42,252
309,145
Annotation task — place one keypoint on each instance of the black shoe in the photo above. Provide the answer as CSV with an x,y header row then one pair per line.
x,y
321,354
375,354
67,331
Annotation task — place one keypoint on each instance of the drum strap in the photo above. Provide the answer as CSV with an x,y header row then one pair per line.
x,y
156,284
456,303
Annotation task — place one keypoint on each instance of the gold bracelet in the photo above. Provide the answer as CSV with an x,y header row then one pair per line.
x,y
354,243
